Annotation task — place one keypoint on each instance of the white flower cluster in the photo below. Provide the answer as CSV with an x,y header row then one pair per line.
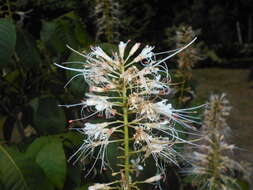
x,y
130,84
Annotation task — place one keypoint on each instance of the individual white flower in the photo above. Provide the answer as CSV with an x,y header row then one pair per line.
x,y
105,88
156,87
99,186
137,167
161,150
122,47
96,131
134,101
180,116
146,53
99,53
101,104
134,49
147,110
89,145
130,74
141,137
153,179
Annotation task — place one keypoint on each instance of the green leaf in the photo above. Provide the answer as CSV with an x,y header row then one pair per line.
x,y
49,118
26,49
51,159
11,175
75,24
51,38
7,42
70,139
19,173
66,29
36,146
2,121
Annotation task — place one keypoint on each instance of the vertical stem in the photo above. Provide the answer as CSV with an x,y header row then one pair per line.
x,y
216,149
126,134
9,9
108,32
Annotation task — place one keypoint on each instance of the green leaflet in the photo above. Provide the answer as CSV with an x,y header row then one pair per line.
x,y
51,159
7,42
20,173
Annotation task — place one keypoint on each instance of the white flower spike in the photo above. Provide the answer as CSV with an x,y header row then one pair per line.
x,y
130,90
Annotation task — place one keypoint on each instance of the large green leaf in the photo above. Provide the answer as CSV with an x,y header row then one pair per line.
x,y
11,174
19,173
51,39
49,118
26,49
36,146
7,42
66,29
71,140
72,22
51,159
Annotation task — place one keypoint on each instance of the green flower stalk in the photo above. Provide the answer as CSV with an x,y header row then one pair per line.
x,y
129,88
213,168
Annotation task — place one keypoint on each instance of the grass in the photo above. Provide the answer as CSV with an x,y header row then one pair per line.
x,y
239,91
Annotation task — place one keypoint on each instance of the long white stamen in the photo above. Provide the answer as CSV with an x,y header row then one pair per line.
x,y
178,51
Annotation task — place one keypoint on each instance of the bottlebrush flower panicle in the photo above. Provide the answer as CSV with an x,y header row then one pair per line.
x,y
213,167
188,58
130,91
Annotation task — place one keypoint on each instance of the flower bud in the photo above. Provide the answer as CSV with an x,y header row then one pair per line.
x,y
153,179
134,48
